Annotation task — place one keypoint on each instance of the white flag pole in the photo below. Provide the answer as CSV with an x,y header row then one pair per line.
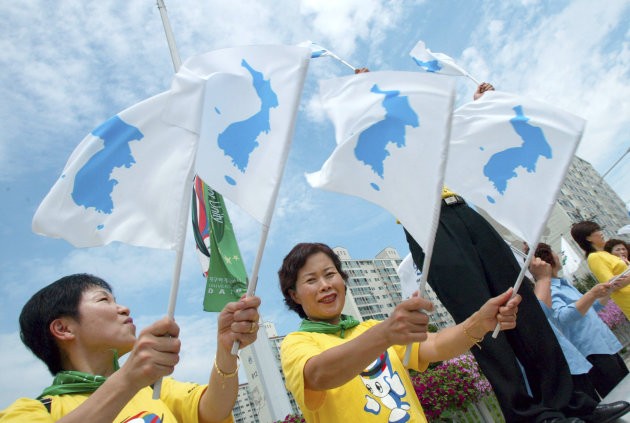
x,y
521,275
251,287
177,62
185,209
425,266
532,248
473,79
435,220
538,235
333,55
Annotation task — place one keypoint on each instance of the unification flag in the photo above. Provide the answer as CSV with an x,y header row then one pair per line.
x,y
508,155
226,277
435,62
392,131
242,102
570,259
319,51
316,49
126,181
624,230
409,276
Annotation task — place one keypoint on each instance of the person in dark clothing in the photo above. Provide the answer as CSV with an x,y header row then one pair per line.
x,y
472,263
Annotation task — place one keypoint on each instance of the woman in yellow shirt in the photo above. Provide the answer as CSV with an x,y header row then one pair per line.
x,y
604,266
76,327
339,369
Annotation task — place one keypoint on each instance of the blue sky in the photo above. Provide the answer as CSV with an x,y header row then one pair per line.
x,y
68,68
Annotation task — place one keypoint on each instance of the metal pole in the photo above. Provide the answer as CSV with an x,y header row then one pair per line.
x,y
177,62
616,163
157,387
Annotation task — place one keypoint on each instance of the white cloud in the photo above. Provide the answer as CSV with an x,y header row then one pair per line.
x,y
340,25
495,28
23,374
528,3
314,109
68,68
565,59
72,63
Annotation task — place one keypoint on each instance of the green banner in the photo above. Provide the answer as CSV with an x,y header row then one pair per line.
x,y
227,277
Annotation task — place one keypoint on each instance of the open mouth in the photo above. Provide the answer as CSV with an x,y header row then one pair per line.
x,y
328,299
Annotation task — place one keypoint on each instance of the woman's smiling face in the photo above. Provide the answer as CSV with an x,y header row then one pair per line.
x,y
320,289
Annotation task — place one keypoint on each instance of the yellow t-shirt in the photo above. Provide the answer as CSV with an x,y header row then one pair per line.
x,y
382,393
178,403
604,266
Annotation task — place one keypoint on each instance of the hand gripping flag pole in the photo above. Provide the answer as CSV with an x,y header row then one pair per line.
x,y
251,287
342,173
427,258
277,75
185,209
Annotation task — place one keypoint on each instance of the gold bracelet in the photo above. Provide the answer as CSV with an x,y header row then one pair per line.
x,y
476,341
223,374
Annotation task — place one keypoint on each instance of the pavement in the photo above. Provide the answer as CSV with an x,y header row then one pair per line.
x,y
621,391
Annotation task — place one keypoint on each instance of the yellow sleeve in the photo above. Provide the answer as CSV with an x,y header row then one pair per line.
x,y
296,349
182,398
26,410
604,265
415,361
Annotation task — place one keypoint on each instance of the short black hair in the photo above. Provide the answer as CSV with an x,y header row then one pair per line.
x,y
59,299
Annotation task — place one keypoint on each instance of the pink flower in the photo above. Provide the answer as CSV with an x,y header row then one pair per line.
x,y
612,315
450,386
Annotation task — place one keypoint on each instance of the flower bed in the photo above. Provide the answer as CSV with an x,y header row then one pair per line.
x,y
612,315
451,386
292,418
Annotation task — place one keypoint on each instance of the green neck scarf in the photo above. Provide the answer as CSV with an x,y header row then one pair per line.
x,y
75,382
345,322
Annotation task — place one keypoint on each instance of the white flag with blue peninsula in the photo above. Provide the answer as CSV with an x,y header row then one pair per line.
x,y
509,155
435,62
392,131
570,259
316,49
409,276
243,103
125,181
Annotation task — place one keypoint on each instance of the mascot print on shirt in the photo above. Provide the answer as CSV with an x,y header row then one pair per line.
x,y
386,385
144,417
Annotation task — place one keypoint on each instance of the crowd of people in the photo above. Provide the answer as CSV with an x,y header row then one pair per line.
x,y
337,368
553,361
575,315
604,266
